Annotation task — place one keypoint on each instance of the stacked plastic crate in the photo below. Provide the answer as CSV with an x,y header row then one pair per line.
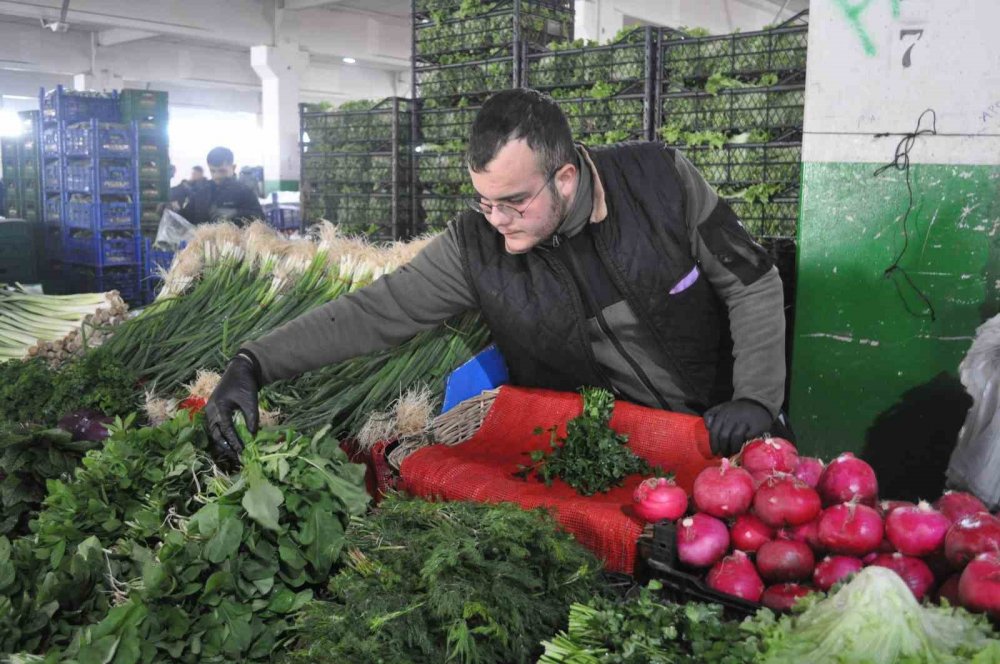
x,y
734,104
90,189
19,252
355,168
462,53
148,110
602,89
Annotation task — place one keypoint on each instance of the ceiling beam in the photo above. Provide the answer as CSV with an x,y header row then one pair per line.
x,y
115,36
294,5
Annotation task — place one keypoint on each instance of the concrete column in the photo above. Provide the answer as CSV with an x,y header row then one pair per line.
x,y
280,69
103,81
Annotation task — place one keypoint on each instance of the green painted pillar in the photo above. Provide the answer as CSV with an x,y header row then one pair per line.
x,y
876,353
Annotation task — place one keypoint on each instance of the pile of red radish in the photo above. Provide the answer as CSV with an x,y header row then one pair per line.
x,y
778,526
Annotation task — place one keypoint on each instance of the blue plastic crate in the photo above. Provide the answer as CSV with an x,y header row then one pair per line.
x,y
85,139
52,173
485,371
285,218
70,106
100,250
126,280
50,142
101,216
115,178
53,210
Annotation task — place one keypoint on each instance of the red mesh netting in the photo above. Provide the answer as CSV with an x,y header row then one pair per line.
x,y
483,467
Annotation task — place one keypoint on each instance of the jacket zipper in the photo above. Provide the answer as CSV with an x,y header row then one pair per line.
x,y
615,341
560,269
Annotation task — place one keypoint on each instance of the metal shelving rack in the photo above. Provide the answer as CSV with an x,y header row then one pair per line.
x,y
365,157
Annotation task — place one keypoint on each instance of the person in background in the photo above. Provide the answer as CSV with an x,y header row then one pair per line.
x,y
181,193
223,198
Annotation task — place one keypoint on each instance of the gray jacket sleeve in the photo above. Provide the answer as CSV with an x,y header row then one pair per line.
x,y
747,281
418,296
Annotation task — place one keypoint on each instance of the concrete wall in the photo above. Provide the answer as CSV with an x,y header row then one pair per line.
x,y
873,370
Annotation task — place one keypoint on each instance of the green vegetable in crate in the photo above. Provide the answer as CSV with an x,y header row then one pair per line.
x,y
592,457
458,582
648,630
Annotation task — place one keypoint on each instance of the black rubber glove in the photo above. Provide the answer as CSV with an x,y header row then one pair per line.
x,y
732,423
236,391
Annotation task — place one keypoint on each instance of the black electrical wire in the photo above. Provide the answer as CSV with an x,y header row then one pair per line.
x,y
901,162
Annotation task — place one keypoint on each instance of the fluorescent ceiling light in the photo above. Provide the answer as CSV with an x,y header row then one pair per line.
x,y
350,61
10,124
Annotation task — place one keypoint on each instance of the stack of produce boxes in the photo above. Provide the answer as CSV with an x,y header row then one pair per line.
x,y
602,89
462,53
356,168
22,201
90,188
148,110
734,105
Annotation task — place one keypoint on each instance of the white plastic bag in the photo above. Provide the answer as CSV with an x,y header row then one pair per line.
x,y
975,463
173,230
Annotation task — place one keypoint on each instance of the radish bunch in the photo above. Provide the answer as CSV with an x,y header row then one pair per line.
x,y
777,526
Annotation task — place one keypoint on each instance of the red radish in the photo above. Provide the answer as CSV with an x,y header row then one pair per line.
x,y
886,507
916,531
782,597
885,547
701,540
848,478
979,585
658,498
914,572
939,565
769,454
958,504
784,500
850,529
723,491
833,569
735,575
809,470
807,532
949,590
870,558
749,533
785,560
970,536
759,477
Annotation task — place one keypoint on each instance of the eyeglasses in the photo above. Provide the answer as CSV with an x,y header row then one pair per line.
x,y
486,209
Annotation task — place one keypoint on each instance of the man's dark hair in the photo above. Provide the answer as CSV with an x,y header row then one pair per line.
x,y
220,156
517,114
202,170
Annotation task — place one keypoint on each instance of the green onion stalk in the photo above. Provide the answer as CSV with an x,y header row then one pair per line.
x,y
53,326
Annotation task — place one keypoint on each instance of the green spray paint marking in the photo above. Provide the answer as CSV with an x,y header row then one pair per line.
x,y
895,8
853,14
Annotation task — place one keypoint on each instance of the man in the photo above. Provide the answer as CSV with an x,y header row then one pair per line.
x,y
224,198
616,267
181,193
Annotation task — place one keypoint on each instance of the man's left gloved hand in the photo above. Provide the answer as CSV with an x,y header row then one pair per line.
x,y
732,423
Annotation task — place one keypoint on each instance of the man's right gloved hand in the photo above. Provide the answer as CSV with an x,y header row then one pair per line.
x,y
236,391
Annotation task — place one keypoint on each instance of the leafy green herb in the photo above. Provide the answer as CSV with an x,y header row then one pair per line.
x,y
592,457
149,553
647,631
447,582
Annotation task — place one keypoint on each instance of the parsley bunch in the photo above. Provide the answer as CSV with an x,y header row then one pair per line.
x,y
592,457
